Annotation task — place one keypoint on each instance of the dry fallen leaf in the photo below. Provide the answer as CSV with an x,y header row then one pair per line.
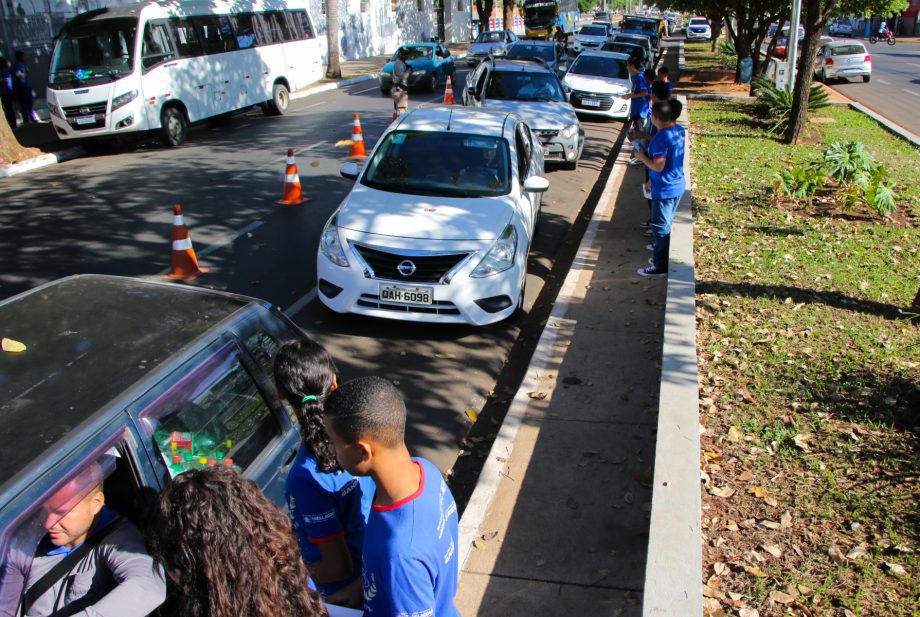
x,y
537,395
489,535
769,524
712,608
785,520
754,571
734,434
444,356
896,569
773,550
478,543
757,491
720,568
781,597
471,414
748,612
856,552
801,441
10,346
724,492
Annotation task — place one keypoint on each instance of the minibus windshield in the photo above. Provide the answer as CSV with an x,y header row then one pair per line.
x,y
97,50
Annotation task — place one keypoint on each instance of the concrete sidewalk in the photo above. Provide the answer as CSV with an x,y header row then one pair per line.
x,y
567,529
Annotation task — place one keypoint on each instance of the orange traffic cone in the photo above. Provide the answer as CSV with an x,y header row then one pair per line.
x,y
291,195
357,138
449,93
184,263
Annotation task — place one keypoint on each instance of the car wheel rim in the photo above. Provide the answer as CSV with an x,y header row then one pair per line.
x,y
282,99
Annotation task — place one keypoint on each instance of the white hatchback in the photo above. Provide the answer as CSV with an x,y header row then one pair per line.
x,y
842,60
599,82
438,224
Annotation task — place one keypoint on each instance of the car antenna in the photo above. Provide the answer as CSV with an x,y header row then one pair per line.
x,y
450,117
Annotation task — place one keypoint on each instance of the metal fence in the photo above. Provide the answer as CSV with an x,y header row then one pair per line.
x,y
34,35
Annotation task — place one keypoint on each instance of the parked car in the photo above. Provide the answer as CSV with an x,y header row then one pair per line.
x,y
652,27
783,41
438,224
842,59
139,381
549,53
490,42
601,15
698,29
840,28
534,92
430,63
630,49
591,36
637,39
599,81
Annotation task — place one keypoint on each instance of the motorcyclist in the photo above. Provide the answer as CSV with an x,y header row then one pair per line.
x,y
883,30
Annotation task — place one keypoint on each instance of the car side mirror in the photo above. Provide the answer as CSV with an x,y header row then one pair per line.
x,y
349,170
536,184
563,68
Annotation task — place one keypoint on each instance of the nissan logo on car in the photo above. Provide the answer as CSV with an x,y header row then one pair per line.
x,y
406,268
84,110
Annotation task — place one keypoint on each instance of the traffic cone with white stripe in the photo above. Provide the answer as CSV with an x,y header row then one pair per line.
x,y
184,263
291,194
357,139
449,92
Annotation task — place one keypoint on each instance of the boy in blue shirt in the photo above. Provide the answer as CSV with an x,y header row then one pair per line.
x,y
638,103
665,161
410,544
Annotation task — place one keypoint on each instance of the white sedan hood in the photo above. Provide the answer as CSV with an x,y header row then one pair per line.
x,y
599,85
539,115
372,211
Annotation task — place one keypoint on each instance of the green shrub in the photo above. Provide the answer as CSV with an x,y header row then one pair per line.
x,y
844,161
800,182
776,103
726,54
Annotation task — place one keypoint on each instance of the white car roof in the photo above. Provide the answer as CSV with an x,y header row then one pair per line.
x,y
456,119
604,54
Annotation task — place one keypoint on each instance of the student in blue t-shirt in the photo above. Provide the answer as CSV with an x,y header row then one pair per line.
x,y
665,160
328,506
410,546
638,103
659,93
665,77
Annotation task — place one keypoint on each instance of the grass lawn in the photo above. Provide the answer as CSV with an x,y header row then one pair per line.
x,y
698,57
809,377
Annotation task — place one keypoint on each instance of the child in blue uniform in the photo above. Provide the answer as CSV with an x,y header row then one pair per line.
x,y
328,506
410,546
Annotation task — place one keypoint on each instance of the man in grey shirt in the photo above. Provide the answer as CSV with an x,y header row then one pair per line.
x,y
400,89
115,578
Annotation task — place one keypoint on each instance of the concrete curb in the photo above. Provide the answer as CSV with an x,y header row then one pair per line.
x,y
681,60
897,129
302,94
543,357
673,572
41,161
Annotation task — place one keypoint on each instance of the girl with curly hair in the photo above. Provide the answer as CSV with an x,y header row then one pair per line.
x,y
228,549
328,505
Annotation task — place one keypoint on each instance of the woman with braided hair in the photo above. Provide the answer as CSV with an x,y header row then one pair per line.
x,y
328,505
228,550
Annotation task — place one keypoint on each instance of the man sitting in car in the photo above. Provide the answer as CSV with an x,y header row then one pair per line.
x,y
90,561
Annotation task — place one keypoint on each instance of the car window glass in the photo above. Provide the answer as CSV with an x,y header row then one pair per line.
x,y
482,80
216,33
22,541
214,415
157,45
848,50
519,86
600,66
437,163
522,139
263,347
186,35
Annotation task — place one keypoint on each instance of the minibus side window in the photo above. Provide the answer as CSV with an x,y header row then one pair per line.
x,y
216,33
186,36
157,47
244,30
305,24
276,28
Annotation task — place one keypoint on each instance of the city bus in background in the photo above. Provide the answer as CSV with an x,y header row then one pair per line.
x,y
546,19
161,66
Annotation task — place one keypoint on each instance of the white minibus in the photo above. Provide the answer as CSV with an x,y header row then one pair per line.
x,y
161,66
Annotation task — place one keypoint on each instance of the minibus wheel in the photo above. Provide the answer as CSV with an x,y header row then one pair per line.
x,y
173,127
281,98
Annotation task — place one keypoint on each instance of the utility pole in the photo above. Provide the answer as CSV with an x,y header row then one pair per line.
x,y
792,45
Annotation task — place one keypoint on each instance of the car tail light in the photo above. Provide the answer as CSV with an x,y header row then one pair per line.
x,y
868,58
828,62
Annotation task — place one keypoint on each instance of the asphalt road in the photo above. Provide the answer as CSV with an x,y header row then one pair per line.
x,y
112,214
894,91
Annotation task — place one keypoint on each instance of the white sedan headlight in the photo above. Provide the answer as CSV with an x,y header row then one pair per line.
x,y
500,256
330,246
569,131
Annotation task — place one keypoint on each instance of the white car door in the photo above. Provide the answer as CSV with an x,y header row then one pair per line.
x,y
530,202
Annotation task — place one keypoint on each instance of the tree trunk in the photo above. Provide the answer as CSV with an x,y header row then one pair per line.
x,y
716,28
484,10
334,64
508,14
11,151
815,17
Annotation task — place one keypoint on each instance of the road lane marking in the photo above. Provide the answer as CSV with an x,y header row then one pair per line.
x,y
227,239
913,64
301,303
882,81
915,93
313,105
368,90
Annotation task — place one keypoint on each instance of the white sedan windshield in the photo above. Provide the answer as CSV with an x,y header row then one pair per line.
x,y
435,163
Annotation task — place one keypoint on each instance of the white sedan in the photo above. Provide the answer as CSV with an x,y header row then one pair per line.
x,y
438,224
599,81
